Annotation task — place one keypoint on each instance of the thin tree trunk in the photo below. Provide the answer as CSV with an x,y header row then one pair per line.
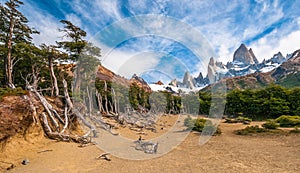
x,y
59,136
67,97
89,101
77,113
47,108
106,100
115,100
66,119
8,62
55,89
99,98
111,107
77,79
33,108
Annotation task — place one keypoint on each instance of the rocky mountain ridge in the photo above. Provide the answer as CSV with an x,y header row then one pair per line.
x,y
244,63
287,75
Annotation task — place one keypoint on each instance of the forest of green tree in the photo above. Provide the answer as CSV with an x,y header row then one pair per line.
x,y
260,104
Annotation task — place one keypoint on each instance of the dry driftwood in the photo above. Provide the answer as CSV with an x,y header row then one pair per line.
x,y
104,156
33,108
147,147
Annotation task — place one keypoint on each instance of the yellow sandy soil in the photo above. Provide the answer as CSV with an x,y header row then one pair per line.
x,y
224,153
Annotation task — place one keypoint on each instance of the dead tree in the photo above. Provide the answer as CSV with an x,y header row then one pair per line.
x,y
147,147
52,128
99,100
105,97
54,89
114,101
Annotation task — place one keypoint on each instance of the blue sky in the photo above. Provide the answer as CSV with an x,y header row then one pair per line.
x,y
211,28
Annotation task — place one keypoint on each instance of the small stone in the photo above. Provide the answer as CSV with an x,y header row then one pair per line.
x,y
25,162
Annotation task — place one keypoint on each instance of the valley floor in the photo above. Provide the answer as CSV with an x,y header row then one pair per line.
x,y
224,153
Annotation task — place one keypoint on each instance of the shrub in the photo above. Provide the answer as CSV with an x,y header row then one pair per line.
x,y
250,130
288,121
270,124
201,125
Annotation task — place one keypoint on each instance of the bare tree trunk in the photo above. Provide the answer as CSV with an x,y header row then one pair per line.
x,y
59,136
54,90
106,100
115,100
66,119
33,108
112,108
77,79
89,101
8,62
35,74
47,108
78,114
85,122
67,97
99,98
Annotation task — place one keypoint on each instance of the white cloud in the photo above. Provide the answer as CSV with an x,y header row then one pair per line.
x,y
46,25
110,7
128,63
286,44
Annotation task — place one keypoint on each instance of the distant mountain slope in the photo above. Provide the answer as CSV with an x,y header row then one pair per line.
x,y
287,75
107,75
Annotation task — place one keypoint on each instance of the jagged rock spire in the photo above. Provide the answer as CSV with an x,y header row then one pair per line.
x,y
245,56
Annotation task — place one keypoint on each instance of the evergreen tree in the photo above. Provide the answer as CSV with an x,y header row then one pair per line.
x,y
294,101
13,30
74,46
205,102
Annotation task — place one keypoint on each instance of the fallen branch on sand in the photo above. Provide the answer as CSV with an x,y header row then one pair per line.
x,y
104,156
43,151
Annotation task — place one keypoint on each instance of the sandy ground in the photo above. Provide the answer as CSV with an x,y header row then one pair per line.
x,y
225,153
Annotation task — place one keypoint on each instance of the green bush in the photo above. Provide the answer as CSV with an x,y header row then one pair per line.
x,y
288,121
251,130
201,125
270,124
